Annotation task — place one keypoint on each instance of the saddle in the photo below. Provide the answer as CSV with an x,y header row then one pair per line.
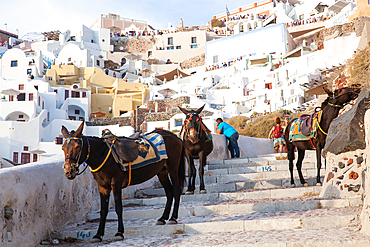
x,y
306,121
127,148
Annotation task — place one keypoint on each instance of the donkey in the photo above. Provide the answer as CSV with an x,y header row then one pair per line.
x,y
110,177
197,146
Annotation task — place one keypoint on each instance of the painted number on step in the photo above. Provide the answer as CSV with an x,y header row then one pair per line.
x,y
266,169
82,235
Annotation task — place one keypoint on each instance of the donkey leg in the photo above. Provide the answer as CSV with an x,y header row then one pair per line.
x,y
104,207
318,163
291,165
117,193
301,153
191,173
168,188
176,185
202,164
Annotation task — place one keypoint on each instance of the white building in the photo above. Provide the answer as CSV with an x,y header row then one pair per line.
x,y
274,39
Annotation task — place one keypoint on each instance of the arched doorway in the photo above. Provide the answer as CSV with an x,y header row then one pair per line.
x,y
76,113
18,116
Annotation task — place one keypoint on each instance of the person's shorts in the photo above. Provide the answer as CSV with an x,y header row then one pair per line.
x,y
279,141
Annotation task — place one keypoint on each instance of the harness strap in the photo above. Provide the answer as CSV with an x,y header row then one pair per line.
x,y
129,175
312,143
318,124
106,158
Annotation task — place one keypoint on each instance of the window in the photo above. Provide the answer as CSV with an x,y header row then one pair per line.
x,y
21,116
122,112
103,40
178,122
92,41
170,47
292,91
72,118
150,53
38,101
268,85
21,97
97,63
75,94
14,63
25,148
21,86
77,112
69,59
29,71
83,94
55,90
37,87
81,119
43,104
15,157
215,59
193,40
11,97
30,96
25,158
193,46
66,94
50,78
34,157
178,47
170,41
58,140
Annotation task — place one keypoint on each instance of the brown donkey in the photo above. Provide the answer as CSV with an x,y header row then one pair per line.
x,y
109,176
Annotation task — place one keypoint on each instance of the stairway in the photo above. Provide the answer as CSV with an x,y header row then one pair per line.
x,y
249,203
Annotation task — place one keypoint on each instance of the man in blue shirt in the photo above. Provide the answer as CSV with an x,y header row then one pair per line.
x,y
231,134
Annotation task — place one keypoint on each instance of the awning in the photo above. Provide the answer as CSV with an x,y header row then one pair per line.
x,y
294,53
338,6
318,90
259,61
171,75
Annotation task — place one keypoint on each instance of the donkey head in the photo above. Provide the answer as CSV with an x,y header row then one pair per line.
x,y
72,149
192,123
341,96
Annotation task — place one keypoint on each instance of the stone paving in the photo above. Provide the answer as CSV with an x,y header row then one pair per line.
x,y
348,236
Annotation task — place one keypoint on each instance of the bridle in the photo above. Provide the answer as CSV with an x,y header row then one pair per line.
x,y
340,95
76,160
185,125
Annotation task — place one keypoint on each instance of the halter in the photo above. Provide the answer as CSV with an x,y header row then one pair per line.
x,y
339,106
77,159
199,127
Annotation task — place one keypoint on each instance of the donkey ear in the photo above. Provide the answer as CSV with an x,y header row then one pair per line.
x,y
65,132
200,109
80,129
183,110
330,93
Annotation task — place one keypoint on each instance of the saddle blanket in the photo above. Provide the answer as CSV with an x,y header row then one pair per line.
x,y
295,133
151,149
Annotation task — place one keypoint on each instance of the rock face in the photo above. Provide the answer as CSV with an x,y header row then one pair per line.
x,y
346,132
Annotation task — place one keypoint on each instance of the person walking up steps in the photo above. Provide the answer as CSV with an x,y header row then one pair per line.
x,y
231,135
277,134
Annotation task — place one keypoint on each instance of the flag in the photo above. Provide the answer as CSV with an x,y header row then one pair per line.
x,y
227,11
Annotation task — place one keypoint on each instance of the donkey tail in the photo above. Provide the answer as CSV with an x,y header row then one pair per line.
x,y
181,169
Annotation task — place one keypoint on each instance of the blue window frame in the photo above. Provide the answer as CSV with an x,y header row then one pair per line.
x,y
14,63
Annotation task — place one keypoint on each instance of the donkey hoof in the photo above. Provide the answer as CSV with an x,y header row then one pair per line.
x,y
189,192
318,184
202,192
172,222
305,185
97,238
160,222
119,236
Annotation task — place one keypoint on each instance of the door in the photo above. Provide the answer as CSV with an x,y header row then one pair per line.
x,y
25,158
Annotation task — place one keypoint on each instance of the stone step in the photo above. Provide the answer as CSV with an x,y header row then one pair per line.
x,y
252,177
236,195
259,163
287,220
329,237
237,207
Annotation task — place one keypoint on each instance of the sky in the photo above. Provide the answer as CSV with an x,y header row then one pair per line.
x,y
50,15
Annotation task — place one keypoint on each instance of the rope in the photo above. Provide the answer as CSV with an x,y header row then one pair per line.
x,y
318,124
129,174
106,158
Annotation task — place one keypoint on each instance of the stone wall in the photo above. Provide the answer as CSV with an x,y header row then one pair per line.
x,y
43,200
365,215
156,110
